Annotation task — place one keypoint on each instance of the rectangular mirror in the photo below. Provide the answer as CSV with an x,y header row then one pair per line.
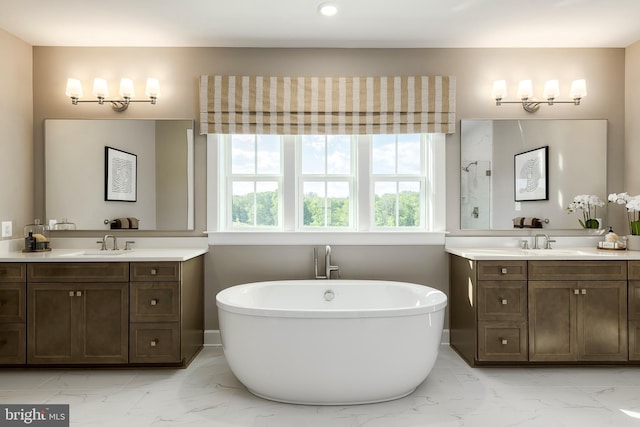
x,y
577,165
75,172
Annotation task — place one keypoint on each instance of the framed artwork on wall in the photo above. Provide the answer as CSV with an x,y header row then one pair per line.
x,y
531,175
120,175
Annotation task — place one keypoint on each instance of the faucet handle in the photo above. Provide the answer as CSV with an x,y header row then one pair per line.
x,y
103,243
549,242
127,245
524,244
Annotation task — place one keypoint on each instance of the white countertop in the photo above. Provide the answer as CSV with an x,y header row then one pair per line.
x,y
574,253
95,255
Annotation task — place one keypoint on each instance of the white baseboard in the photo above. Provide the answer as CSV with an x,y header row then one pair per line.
x,y
212,338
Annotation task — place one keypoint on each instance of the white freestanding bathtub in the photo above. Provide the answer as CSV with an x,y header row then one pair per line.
x,y
331,342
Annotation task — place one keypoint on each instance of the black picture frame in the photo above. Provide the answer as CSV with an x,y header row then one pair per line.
x,y
120,175
531,175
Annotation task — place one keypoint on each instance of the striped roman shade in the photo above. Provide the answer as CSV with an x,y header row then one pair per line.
x,y
327,105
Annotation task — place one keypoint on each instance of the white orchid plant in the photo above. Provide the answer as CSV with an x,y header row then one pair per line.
x,y
632,203
588,204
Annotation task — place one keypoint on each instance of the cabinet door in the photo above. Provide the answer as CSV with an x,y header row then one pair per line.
x,y
552,313
102,310
50,323
602,320
77,323
12,303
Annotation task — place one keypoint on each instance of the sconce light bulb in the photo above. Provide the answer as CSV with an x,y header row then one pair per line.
x,y
74,88
551,90
499,90
578,89
525,89
153,88
100,88
126,88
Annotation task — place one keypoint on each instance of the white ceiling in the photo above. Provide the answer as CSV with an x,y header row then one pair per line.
x,y
296,23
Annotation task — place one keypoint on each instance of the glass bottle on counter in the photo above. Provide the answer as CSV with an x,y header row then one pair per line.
x,y
38,236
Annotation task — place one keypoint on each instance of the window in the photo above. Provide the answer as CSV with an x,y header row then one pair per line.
x,y
326,178
254,181
328,183
398,175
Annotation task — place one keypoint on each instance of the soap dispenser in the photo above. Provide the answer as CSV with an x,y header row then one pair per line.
x,y
611,237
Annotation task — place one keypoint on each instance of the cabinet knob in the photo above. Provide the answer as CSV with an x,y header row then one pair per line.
x,y
154,301
583,292
576,292
154,271
78,293
503,301
154,342
503,270
504,341
71,293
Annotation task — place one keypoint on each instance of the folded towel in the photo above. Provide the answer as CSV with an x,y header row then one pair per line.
x,y
120,223
133,223
517,222
531,222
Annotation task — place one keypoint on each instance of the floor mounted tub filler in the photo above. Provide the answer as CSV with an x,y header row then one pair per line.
x,y
331,342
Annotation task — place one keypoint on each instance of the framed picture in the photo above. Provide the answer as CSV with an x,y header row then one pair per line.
x,y
120,175
531,175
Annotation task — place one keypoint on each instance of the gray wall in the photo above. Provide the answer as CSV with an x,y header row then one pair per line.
x,y
475,69
632,124
16,133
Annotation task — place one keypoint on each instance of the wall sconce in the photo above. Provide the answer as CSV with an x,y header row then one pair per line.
x,y
550,93
101,91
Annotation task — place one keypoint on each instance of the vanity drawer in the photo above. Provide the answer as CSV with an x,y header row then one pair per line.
x,y
155,271
502,270
634,299
502,300
502,341
155,302
154,343
634,270
77,272
12,272
13,343
12,303
577,270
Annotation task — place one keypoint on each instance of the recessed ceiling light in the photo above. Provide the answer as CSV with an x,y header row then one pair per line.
x,y
327,9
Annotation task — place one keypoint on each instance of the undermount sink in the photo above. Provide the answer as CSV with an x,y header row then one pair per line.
x,y
97,253
529,252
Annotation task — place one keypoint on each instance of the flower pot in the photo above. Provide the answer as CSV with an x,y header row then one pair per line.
x,y
592,223
633,243
635,228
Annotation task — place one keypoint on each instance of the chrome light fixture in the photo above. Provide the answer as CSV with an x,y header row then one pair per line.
x,y
550,93
101,92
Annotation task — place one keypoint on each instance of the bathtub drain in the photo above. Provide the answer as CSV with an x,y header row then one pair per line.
x,y
329,295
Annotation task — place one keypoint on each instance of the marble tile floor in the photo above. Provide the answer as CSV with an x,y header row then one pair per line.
x,y
207,394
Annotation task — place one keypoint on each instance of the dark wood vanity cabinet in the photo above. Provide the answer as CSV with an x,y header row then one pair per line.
x,y
12,313
634,310
78,313
502,310
103,313
578,320
505,312
166,311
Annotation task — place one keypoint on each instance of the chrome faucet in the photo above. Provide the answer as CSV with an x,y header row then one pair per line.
x,y
104,242
547,241
328,268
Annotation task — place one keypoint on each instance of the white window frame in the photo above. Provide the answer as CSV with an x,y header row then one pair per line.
x,y
432,234
226,191
350,179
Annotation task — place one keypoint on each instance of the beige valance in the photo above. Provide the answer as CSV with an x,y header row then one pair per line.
x,y
327,105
